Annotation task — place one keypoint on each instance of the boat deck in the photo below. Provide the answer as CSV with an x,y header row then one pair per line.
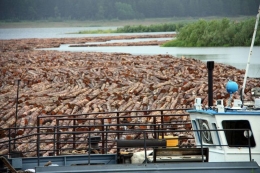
x,y
94,143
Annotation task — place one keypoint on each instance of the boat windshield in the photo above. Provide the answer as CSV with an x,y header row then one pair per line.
x,y
237,133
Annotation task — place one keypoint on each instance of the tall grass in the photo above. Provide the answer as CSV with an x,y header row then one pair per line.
x,y
151,28
139,28
99,31
216,33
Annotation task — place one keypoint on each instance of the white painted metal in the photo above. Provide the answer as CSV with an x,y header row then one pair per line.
x,y
251,49
226,153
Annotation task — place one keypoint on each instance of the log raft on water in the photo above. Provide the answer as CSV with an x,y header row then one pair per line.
x,y
57,83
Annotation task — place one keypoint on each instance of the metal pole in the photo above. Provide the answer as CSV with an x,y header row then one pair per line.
x,y
54,141
103,136
38,141
9,142
16,108
249,145
162,122
74,136
250,52
145,152
89,150
154,128
117,128
201,145
58,137
210,66
106,139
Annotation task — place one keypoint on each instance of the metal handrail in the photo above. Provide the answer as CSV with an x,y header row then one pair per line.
x,y
155,128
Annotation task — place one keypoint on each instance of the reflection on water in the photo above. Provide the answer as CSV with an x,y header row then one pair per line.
x,y
234,56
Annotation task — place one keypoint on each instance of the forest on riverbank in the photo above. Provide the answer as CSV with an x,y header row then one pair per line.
x,y
216,33
57,10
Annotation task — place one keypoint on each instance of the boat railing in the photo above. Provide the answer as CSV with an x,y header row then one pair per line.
x,y
101,133
15,136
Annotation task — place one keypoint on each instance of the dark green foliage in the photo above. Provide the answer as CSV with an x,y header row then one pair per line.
x,y
216,33
139,28
15,10
151,28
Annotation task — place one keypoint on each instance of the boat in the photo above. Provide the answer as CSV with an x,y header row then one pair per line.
x,y
226,138
226,141
231,133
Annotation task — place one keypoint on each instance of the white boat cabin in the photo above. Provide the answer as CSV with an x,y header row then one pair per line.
x,y
228,132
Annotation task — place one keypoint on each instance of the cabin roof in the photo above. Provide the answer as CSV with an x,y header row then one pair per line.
x,y
228,112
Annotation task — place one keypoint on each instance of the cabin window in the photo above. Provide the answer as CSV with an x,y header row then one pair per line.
x,y
205,133
195,128
236,137
214,127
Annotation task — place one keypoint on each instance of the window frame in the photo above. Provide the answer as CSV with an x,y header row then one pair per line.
x,y
235,133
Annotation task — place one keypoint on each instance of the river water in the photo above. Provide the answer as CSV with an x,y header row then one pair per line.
x,y
234,56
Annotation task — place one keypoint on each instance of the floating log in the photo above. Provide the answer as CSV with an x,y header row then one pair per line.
x,y
56,83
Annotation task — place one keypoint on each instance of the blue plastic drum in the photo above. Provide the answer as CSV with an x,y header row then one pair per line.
x,y
231,87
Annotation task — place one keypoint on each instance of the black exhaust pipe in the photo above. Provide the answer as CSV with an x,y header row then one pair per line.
x,y
141,143
210,66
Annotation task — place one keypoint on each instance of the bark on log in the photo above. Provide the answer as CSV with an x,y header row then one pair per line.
x,y
79,82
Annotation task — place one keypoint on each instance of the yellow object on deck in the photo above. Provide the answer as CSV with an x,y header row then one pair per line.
x,y
171,141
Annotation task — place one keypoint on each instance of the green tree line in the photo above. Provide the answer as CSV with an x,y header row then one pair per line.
x,y
166,27
59,10
216,33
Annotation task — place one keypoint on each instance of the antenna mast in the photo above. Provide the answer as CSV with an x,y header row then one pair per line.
x,y
250,52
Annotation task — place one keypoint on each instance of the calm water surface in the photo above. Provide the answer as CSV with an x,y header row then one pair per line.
x,y
17,33
235,56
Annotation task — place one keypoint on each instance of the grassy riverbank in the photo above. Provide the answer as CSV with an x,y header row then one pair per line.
x,y
161,27
103,23
166,27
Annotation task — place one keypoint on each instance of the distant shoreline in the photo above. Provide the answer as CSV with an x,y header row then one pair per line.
x,y
74,23
105,23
